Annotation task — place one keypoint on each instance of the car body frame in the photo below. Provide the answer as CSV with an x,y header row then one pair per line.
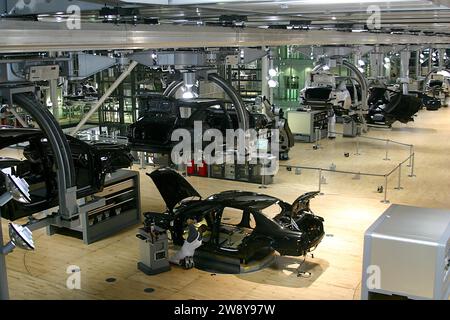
x,y
294,230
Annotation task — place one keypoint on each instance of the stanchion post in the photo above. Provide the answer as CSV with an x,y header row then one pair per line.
x,y
385,200
357,146
387,151
320,182
399,185
412,166
411,151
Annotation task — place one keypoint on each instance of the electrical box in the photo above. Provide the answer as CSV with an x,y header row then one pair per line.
x,y
43,73
407,255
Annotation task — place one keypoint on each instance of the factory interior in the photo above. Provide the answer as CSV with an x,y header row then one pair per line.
x,y
232,150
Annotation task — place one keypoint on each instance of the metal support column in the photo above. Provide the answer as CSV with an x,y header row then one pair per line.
x,y
4,293
264,75
430,60
376,64
54,92
418,65
108,92
54,98
405,55
270,97
441,52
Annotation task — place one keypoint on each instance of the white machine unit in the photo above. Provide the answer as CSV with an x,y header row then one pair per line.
x,y
306,124
407,254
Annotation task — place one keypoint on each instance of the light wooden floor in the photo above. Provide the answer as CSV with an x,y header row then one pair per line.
x,y
348,206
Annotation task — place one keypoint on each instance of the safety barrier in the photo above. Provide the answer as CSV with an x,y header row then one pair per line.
x,y
398,168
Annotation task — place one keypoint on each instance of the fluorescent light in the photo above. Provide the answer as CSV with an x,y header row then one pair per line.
x,y
422,56
361,63
387,60
333,18
361,69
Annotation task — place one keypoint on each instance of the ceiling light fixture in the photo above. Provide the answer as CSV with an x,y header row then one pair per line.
x,y
272,83
273,72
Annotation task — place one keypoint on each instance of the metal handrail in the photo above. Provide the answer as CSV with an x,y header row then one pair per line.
x,y
386,176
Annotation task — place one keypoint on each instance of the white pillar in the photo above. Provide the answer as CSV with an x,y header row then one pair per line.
x,y
418,65
405,55
264,75
430,60
441,57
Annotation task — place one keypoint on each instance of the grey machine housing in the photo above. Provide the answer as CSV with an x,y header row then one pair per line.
x,y
409,248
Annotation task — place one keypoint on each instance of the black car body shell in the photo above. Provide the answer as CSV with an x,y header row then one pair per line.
x,y
160,116
91,161
387,106
294,231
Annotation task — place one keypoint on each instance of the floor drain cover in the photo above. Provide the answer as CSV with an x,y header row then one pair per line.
x,y
149,290
111,280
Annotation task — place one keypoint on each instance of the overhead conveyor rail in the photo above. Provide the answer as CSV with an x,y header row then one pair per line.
x,y
45,36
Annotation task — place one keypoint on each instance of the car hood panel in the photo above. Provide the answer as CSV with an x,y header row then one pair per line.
x,y
172,187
